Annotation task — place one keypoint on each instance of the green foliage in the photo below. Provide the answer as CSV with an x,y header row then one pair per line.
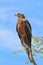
x,y
27,62
19,51
36,39
37,43
41,57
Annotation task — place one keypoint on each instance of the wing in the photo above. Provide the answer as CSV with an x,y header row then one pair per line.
x,y
28,29
17,27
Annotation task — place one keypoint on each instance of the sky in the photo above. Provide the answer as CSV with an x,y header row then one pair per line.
x,y
9,40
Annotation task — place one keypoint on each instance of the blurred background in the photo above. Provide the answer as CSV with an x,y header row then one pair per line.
x,y
9,41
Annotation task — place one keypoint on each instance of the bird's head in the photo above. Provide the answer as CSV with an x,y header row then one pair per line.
x,y
20,15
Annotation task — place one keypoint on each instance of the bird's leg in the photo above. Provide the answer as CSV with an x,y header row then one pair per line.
x,y
22,40
24,44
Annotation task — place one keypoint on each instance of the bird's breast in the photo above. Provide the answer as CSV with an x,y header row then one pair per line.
x,y
21,29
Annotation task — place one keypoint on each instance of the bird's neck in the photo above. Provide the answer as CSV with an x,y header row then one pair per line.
x,y
20,18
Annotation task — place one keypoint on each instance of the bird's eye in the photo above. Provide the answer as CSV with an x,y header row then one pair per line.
x,y
18,14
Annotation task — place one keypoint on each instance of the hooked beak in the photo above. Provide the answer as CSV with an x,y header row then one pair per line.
x,y
15,14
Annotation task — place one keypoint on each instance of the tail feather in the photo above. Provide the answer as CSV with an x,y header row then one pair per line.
x,y
30,56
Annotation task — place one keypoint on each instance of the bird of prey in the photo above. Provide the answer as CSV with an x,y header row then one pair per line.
x,y
24,31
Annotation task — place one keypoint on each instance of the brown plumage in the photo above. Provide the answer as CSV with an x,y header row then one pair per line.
x,y
24,30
